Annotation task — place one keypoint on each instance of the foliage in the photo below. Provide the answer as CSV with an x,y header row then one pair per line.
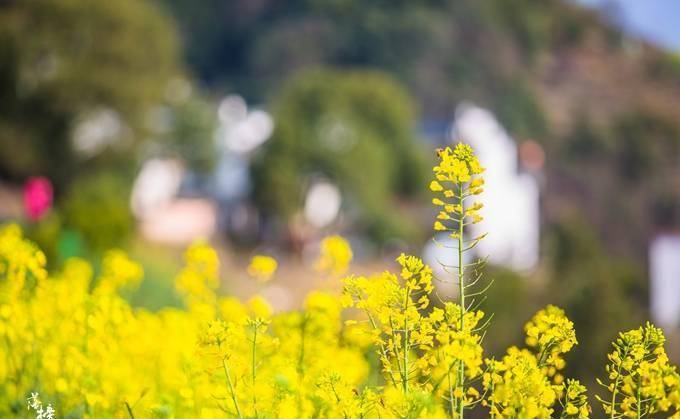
x,y
105,194
72,338
539,66
437,47
328,123
603,294
61,61
185,127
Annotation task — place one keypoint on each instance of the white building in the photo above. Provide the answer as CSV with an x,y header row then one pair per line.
x,y
664,274
511,197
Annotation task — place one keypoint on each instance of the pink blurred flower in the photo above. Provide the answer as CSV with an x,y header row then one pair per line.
x,y
37,197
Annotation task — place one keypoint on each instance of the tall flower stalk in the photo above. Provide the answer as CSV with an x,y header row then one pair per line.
x,y
457,179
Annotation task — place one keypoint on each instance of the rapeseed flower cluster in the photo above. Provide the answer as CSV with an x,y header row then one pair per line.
x,y
388,346
524,383
574,401
456,180
518,388
22,264
551,335
262,267
74,339
336,255
640,380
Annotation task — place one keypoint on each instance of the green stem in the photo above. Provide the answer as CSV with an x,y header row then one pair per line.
x,y
231,388
565,403
394,336
461,287
301,355
406,362
129,410
545,351
253,367
638,397
337,399
301,361
616,385
406,340
451,403
383,351
492,368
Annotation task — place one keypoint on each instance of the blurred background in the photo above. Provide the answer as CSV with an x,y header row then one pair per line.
x,y
264,125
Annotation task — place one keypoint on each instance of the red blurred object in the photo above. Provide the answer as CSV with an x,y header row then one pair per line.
x,y
37,197
531,155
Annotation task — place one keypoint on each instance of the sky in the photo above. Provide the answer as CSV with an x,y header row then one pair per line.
x,y
657,21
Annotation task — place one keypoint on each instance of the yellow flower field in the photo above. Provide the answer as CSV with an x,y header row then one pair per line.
x,y
387,346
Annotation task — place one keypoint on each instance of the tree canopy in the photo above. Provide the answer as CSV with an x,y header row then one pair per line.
x,y
354,128
62,61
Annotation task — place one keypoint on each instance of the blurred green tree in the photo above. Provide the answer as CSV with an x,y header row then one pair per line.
x,y
66,60
511,302
600,293
356,128
104,193
185,129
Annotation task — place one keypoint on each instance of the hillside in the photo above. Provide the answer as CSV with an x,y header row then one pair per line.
x,y
604,106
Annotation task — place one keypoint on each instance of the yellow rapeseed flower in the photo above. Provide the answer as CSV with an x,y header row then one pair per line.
x,y
457,177
262,268
335,256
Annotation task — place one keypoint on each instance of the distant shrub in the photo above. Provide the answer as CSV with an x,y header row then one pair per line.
x,y
97,207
